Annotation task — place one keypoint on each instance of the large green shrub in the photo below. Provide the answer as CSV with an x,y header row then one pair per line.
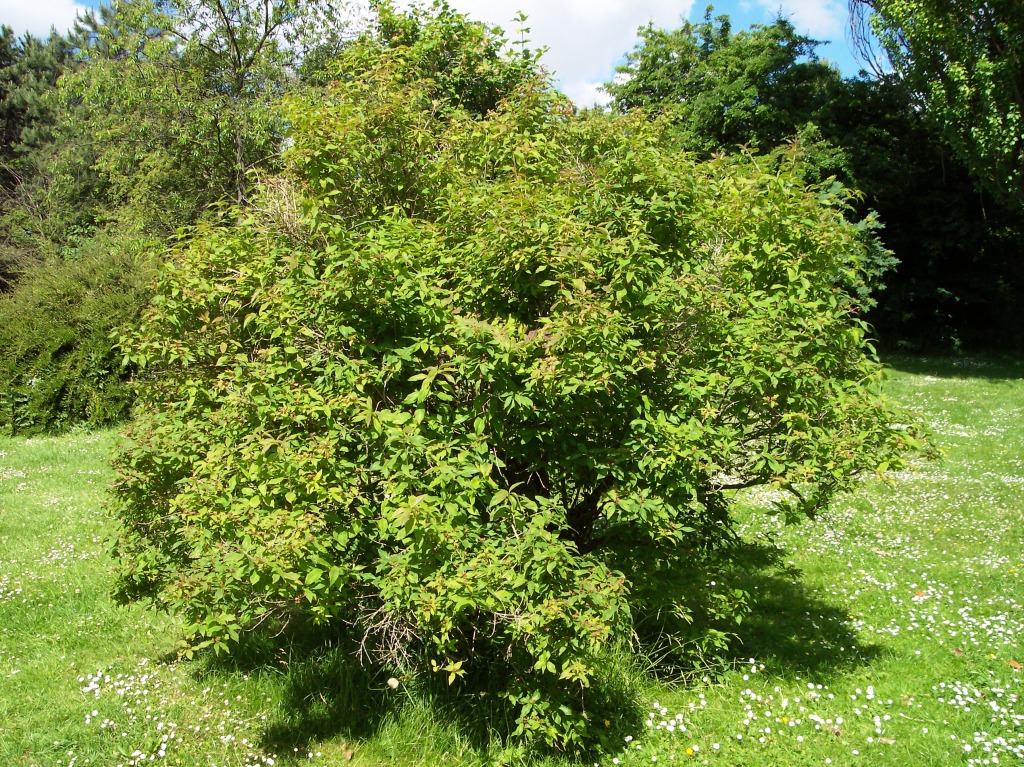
x,y
58,362
469,387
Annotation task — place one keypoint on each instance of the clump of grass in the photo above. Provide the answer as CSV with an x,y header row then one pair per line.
x,y
886,632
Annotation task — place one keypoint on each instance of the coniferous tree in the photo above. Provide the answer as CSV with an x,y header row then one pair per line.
x,y
29,70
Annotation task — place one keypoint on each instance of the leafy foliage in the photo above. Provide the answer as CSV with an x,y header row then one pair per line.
x,y
464,64
179,93
761,89
960,279
756,87
164,112
466,384
958,283
57,357
965,61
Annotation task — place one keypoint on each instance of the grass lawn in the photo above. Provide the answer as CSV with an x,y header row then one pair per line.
x,y
890,631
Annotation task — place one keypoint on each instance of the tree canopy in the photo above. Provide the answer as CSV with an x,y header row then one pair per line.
x,y
965,61
755,87
29,69
145,119
958,282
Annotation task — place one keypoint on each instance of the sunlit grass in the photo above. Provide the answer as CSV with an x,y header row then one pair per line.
x,y
906,646
888,633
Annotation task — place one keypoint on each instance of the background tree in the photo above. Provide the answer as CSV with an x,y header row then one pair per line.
x,y
178,92
964,60
164,114
245,52
29,69
756,87
959,283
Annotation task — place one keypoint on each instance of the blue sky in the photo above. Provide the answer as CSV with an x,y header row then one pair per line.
x,y
585,38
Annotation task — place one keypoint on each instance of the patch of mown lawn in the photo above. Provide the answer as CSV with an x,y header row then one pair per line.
x,y
888,631
903,639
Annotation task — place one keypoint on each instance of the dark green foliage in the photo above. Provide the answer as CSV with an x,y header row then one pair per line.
x,y
725,89
57,357
964,61
29,69
960,279
959,283
469,386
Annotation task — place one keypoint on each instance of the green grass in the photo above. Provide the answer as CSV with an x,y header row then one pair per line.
x,y
883,635
895,646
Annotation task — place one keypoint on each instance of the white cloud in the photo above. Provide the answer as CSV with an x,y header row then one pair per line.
x,y
821,19
586,94
38,16
585,38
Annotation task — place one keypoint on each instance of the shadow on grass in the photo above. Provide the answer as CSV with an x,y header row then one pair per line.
x,y
324,691
788,628
326,694
612,702
989,367
792,632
